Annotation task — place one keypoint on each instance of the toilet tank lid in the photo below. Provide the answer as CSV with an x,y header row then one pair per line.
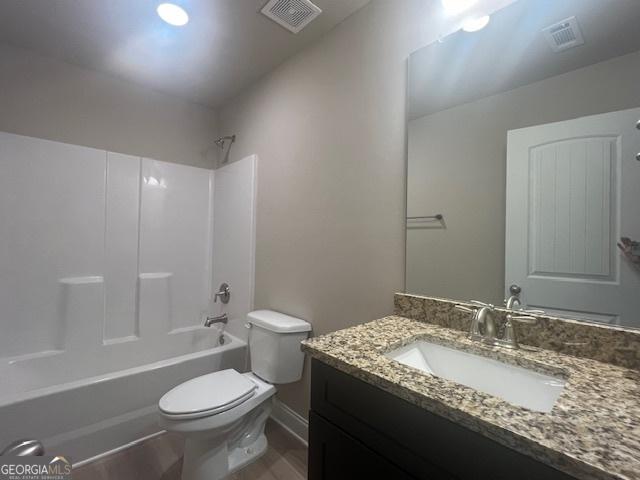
x,y
278,322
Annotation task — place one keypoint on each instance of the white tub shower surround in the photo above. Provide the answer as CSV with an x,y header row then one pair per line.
x,y
108,263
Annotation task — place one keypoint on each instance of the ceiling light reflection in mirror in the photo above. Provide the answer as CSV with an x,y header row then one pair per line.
x,y
173,14
475,24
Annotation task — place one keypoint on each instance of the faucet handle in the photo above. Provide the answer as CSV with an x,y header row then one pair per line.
x,y
482,304
223,293
523,319
510,338
476,305
464,308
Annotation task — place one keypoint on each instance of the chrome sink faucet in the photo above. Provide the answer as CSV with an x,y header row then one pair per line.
x,y
483,323
484,327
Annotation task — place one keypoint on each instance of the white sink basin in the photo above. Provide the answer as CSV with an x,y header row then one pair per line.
x,y
516,385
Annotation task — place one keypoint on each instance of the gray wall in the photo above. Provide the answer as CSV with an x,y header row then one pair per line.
x,y
457,166
46,98
329,127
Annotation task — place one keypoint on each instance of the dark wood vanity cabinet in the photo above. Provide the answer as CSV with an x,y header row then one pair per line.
x,y
358,431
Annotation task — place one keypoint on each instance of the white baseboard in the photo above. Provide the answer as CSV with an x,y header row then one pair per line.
x,y
297,425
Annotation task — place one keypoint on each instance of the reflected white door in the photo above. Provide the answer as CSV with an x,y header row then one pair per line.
x,y
573,188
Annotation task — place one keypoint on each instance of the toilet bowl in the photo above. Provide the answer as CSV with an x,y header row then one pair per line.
x,y
222,414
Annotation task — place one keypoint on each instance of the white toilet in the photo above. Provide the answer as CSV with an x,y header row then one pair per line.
x,y
222,414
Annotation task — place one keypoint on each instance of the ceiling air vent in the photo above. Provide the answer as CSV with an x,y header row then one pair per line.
x,y
564,35
293,15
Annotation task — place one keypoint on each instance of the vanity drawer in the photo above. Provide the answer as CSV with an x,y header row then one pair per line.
x,y
424,444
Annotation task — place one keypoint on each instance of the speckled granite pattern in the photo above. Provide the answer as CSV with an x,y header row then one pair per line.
x,y
593,432
605,343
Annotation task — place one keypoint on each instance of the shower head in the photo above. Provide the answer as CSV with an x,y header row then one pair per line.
x,y
222,140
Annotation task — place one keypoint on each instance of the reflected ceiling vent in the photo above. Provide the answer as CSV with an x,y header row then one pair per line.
x,y
564,35
293,15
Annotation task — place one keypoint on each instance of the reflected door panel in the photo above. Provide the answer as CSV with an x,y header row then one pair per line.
x,y
566,183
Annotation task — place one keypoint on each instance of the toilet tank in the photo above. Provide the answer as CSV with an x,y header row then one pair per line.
x,y
274,345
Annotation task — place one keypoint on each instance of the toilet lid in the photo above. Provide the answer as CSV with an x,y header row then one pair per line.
x,y
213,393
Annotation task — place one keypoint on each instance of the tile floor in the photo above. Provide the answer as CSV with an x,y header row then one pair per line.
x,y
160,458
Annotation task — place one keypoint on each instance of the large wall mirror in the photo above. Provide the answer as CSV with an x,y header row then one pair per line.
x,y
524,161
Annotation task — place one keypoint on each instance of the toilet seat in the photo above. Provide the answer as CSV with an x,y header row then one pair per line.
x,y
207,395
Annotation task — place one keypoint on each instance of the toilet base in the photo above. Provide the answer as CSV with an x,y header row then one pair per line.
x,y
243,456
216,457
204,461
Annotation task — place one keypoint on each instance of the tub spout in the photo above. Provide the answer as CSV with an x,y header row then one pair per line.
x,y
219,319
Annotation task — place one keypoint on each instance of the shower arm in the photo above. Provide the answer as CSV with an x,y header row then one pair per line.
x,y
222,140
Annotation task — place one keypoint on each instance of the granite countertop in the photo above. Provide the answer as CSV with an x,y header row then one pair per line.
x,y
593,431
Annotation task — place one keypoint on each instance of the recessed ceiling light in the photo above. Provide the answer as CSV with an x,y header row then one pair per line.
x,y
476,23
453,7
173,14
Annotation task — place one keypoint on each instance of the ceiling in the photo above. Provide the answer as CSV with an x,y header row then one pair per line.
x,y
226,45
512,51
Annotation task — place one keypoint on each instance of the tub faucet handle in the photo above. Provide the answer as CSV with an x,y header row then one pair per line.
x,y
223,293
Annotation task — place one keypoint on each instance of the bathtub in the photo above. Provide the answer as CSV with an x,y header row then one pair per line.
x,y
87,417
